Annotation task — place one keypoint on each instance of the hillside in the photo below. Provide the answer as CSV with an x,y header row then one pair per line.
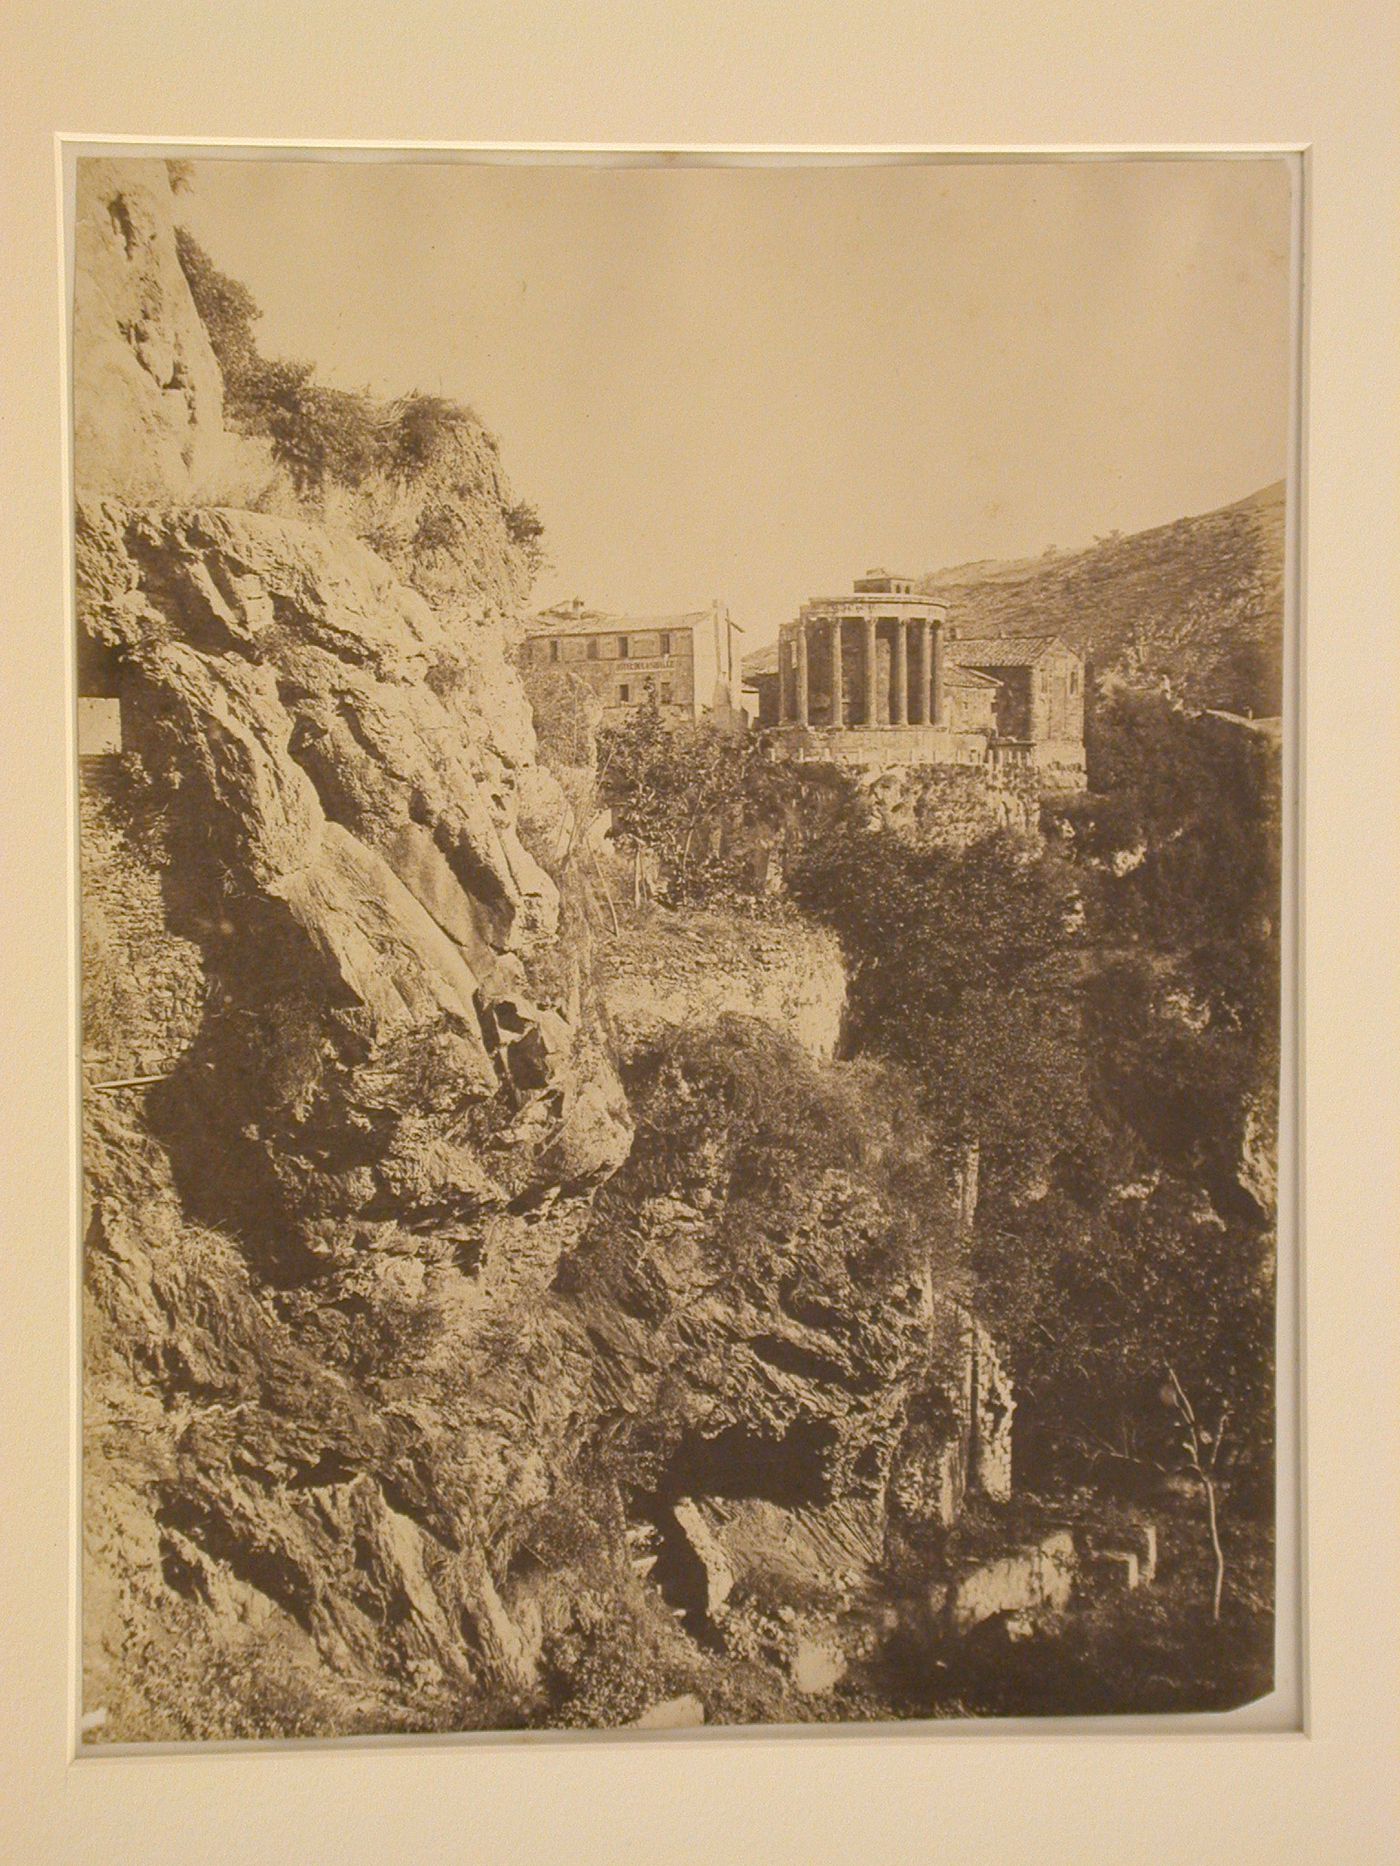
x,y
1199,602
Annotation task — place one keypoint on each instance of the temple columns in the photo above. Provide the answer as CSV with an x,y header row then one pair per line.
x,y
917,683
871,663
918,713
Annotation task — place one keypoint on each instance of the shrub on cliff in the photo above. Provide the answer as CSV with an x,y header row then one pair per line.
x,y
708,804
566,712
317,433
736,1099
330,440
736,1111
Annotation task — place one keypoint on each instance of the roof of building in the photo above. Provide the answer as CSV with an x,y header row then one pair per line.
x,y
958,676
1001,650
858,602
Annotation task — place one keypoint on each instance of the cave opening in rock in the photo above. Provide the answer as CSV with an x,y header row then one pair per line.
x,y
792,1468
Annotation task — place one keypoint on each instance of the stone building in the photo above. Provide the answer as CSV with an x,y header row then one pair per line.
x,y
878,677
1039,703
688,663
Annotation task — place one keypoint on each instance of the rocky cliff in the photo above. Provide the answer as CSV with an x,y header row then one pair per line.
x,y
415,1295
681,969
148,396
951,806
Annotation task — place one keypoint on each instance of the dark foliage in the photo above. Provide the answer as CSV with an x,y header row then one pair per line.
x,y
1103,1029
960,966
710,804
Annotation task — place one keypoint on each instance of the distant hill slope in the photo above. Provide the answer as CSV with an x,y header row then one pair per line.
x,y
1199,601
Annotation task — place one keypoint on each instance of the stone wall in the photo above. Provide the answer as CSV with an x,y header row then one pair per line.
x,y
881,747
693,967
951,806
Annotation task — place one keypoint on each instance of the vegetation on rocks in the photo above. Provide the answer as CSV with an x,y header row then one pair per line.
x,y
445,1268
707,804
1099,1018
417,476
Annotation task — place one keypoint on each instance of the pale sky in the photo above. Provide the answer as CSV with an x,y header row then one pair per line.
x,y
755,383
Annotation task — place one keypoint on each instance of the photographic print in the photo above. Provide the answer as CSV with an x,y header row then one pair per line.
x,y
680,769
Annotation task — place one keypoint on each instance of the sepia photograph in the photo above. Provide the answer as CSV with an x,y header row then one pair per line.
x,y
682,787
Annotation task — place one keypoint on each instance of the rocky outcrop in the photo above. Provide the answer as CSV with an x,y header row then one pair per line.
x,y
689,968
790,1374
447,527
248,1479
768,1318
1020,1584
362,1087
315,1241
148,397
339,778
951,806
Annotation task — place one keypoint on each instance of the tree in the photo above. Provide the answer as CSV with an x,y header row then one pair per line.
x,y
1141,1325
1182,836
704,801
1104,1092
328,437
566,712
961,967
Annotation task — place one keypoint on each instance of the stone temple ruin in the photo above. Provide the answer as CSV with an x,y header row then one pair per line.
x,y
878,677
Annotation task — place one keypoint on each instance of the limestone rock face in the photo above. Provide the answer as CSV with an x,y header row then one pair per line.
x,y
338,774
446,529
794,1369
147,391
247,1491
691,968
311,1262
318,1243
1035,1579
951,806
